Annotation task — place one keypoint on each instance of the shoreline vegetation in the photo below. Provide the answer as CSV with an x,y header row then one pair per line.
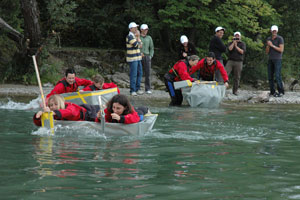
x,y
251,96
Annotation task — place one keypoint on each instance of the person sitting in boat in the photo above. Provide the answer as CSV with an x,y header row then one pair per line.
x,y
69,83
207,68
179,72
119,110
67,111
99,84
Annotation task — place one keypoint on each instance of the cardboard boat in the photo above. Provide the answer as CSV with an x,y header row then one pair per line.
x,y
108,129
207,94
90,97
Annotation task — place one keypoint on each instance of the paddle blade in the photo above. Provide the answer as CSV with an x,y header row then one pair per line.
x,y
48,121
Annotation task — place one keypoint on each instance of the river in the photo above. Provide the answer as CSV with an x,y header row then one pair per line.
x,y
236,151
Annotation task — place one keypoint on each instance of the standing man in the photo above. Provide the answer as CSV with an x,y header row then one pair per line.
x,y
275,47
218,47
237,50
134,57
147,55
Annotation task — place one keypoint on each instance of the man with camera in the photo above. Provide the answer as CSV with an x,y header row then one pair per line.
x,y
236,50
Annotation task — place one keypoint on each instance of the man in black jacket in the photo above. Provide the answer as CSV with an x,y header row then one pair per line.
x,y
218,47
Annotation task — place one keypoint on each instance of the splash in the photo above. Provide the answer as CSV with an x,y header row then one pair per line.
x,y
63,131
12,105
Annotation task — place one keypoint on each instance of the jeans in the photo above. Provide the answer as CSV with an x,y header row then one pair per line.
x,y
176,95
146,61
136,73
274,66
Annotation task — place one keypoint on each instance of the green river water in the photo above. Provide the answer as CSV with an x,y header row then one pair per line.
x,y
234,152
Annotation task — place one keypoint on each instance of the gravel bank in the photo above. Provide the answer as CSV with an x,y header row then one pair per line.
x,y
244,96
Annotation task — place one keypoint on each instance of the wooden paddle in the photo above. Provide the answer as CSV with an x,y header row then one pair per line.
x,y
102,114
46,118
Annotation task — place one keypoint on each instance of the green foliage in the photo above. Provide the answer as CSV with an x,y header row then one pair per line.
x,y
104,24
88,73
62,14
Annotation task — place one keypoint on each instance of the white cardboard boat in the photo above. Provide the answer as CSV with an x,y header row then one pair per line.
x,y
207,94
108,129
90,97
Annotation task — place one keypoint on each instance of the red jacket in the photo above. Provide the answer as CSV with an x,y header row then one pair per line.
x,y
63,87
126,119
207,72
72,112
105,86
181,69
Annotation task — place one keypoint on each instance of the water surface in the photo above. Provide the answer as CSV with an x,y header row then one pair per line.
x,y
232,152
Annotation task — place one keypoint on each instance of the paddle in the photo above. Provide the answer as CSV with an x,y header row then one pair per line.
x,y
188,83
46,118
102,114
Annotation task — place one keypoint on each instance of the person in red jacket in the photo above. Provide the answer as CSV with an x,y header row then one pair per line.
x,y
99,84
69,83
207,68
67,111
119,110
179,72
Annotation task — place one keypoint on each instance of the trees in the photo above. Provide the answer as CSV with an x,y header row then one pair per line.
x,y
104,24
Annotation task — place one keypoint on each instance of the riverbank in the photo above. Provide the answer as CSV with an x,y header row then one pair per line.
x,y
244,96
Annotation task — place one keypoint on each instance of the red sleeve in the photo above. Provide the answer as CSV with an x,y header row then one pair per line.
x,y
58,89
182,72
222,70
87,88
132,117
110,85
83,82
37,121
196,67
107,116
72,112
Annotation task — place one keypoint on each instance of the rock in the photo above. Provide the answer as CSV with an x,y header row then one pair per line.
x,y
261,97
79,68
92,61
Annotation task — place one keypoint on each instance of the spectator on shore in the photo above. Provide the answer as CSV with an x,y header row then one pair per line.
x,y
218,47
134,57
236,54
147,55
186,48
275,48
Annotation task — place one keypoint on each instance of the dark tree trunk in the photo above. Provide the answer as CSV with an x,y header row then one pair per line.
x,y
32,27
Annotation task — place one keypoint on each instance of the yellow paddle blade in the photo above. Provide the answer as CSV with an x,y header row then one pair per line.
x,y
48,121
190,84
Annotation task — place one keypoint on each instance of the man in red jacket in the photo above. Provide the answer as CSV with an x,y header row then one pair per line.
x,y
207,68
69,83
179,72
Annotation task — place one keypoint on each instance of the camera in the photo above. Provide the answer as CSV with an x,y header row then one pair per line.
x,y
236,38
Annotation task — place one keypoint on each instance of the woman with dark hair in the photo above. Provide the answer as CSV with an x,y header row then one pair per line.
x,y
120,110
186,48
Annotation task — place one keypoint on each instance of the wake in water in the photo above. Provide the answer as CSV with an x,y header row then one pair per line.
x,y
62,131
11,105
